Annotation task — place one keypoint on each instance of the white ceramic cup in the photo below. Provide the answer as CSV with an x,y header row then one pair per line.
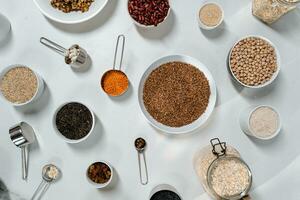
x,y
148,26
245,122
67,139
100,185
162,187
202,25
5,28
40,86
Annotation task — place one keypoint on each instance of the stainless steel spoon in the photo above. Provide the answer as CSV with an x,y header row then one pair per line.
x,y
140,145
50,173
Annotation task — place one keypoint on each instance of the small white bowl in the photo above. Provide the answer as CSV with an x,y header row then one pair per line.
x,y
149,26
100,185
163,187
40,85
69,18
277,60
62,136
202,25
245,122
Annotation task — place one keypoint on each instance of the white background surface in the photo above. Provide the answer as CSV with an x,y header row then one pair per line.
x,y
275,164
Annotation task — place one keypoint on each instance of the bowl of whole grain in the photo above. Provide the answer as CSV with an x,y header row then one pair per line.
x,y
254,62
70,11
177,94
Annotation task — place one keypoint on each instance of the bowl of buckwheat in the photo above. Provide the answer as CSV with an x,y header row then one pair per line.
x,y
254,62
70,11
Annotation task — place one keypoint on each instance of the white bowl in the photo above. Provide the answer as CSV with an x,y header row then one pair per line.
x,y
69,18
163,187
100,185
277,60
40,85
212,99
67,139
245,120
202,25
149,26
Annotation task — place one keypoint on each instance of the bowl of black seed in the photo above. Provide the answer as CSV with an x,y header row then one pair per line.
x,y
73,122
164,192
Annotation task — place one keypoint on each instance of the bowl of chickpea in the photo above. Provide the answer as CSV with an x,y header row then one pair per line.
x,y
254,62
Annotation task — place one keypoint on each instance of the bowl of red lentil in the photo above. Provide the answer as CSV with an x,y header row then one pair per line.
x,y
100,174
20,85
254,62
148,13
177,94
70,11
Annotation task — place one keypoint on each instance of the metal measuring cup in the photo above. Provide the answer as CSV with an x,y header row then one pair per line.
x,y
22,135
81,58
115,69
140,145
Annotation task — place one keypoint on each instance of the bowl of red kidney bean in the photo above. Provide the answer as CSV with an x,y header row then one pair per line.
x,y
148,13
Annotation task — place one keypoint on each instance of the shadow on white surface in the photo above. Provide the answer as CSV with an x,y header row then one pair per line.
x,y
113,185
6,41
37,105
160,31
92,24
215,33
93,139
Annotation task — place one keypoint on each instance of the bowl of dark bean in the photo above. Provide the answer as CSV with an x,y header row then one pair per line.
x,y
73,122
177,94
148,13
164,192
99,174
254,62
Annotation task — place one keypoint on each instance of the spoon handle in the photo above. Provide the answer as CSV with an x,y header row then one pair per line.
x,y
141,158
24,152
40,191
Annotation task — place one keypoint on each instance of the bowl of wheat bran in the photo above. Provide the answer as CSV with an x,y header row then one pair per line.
x,y
177,94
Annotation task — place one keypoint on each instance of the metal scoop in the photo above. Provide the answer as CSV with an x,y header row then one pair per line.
x,y
140,145
50,173
80,60
22,135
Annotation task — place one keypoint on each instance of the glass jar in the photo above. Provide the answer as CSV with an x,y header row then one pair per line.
x,y
270,11
212,160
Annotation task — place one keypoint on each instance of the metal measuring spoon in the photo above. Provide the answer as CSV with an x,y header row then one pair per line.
x,y
75,56
22,135
50,173
140,145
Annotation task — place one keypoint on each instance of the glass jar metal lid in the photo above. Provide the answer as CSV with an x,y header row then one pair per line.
x,y
228,177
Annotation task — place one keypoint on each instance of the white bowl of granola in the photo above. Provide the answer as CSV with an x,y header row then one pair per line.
x,y
66,12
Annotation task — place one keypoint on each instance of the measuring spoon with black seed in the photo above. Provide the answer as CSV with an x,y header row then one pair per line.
x,y
140,145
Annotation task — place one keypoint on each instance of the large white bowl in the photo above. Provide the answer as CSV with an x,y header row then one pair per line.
x,y
69,18
212,99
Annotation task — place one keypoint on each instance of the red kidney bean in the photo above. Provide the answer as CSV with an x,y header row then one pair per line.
x,y
148,12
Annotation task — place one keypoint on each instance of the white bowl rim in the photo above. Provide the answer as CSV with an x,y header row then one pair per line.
x,y
100,185
209,109
70,141
202,25
70,22
39,83
278,61
278,128
148,26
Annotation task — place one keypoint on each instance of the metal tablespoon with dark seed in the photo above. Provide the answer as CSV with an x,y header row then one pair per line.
x,y
140,145
22,135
